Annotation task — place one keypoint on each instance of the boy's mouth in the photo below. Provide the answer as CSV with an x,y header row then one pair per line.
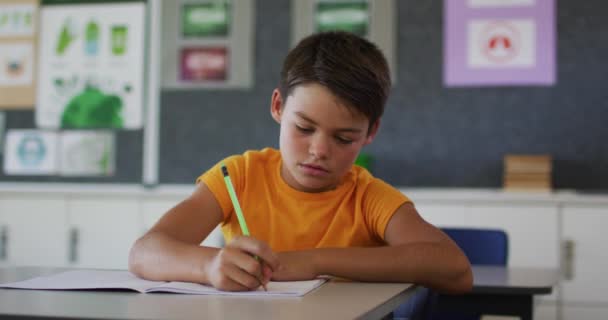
x,y
313,169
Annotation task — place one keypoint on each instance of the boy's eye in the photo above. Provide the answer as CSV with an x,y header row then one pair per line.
x,y
343,140
304,129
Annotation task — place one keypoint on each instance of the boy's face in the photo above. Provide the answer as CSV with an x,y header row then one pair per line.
x,y
320,137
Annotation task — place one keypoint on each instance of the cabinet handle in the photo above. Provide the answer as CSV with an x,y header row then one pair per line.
x,y
73,246
4,243
568,259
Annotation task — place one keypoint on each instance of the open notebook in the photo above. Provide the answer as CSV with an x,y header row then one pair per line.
x,y
118,279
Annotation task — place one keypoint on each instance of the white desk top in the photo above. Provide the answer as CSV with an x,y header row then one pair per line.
x,y
334,300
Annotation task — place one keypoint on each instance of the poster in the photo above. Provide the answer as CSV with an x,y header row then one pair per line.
x,y
87,153
91,66
18,38
206,19
17,19
506,42
204,63
17,63
207,44
30,152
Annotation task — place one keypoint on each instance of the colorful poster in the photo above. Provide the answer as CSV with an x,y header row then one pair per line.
x,y
87,153
206,19
492,42
91,66
18,44
17,19
346,15
30,152
204,64
16,64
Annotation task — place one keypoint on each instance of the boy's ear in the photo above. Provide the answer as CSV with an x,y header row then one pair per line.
x,y
276,105
372,132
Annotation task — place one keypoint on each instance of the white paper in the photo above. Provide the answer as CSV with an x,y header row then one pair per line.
x,y
30,152
508,43
500,3
16,64
87,153
17,20
118,279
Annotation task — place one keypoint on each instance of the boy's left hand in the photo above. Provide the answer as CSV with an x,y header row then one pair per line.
x,y
295,265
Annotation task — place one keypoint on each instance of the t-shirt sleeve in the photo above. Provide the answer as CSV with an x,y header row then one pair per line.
x,y
381,201
214,180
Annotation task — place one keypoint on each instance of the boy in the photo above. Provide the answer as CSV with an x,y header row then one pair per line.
x,y
310,211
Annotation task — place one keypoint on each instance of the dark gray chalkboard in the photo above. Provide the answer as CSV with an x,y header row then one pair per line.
x,y
128,155
129,144
430,135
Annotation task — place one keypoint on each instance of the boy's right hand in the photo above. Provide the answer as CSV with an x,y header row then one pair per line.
x,y
234,268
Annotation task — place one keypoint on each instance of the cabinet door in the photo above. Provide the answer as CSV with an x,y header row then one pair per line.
x,y
102,230
153,210
532,231
442,214
585,228
33,231
584,312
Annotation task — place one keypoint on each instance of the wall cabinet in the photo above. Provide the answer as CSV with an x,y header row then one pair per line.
x,y
95,228
101,231
584,233
532,229
33,231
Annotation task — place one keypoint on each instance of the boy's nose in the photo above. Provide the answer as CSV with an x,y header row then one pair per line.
x,y
319,147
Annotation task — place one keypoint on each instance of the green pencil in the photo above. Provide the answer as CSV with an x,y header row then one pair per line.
x,y
239,212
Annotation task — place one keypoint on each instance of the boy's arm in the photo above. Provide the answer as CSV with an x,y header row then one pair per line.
x,y
171,251
417,252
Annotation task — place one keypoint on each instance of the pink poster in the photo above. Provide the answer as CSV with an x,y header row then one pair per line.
x,y
499,42
204,64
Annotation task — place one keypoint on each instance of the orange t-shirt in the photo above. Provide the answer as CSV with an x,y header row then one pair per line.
x,y
356,213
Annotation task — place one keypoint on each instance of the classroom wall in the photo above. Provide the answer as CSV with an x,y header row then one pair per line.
x,y
430,135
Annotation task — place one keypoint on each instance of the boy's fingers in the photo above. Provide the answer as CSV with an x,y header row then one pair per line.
x,y
257,248
243,278
266,273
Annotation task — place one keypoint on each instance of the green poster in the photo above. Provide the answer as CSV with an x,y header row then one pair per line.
x,y
351,16
206,19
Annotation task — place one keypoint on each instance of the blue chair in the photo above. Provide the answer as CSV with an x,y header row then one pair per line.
x,y
488,247
481,246
418,307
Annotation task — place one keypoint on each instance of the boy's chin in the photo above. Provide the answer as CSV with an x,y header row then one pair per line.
x,y
314,185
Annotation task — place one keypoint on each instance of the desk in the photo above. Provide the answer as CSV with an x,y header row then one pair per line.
x,y
333,300
502,291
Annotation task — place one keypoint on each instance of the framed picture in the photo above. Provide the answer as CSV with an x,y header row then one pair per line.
x,y
207,44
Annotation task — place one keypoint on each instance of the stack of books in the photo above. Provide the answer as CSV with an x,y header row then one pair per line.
x,y
527,172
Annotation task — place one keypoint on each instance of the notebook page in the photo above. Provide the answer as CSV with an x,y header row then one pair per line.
x,y
122,279
281,289
86,279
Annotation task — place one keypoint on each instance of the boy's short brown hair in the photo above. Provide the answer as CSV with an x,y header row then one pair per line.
x,y
351,67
